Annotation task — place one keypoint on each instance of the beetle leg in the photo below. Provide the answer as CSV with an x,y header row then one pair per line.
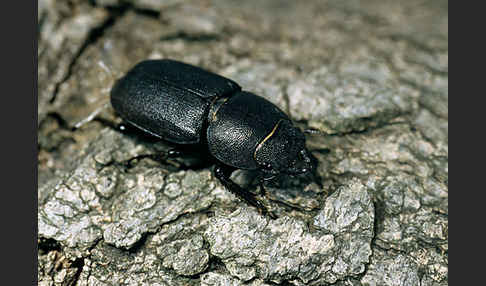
x,y
108,123
172,153
223,174
263,192
260,184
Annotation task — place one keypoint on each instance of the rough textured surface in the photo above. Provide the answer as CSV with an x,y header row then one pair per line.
x,y
371,76
286,249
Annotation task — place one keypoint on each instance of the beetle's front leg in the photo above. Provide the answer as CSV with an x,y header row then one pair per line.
x,y
223,174
261,181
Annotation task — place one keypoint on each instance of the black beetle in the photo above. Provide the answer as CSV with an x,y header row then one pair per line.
x,y
185,104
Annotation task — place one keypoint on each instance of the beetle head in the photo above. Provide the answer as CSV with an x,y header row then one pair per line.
x,y
283,151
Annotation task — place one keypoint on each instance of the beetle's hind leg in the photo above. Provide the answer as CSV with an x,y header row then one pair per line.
x,y
160,157
223,173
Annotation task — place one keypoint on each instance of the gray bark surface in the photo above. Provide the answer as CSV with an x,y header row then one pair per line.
x,y
370,75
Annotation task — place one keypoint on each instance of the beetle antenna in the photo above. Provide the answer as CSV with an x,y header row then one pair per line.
x,y
91,116
311,131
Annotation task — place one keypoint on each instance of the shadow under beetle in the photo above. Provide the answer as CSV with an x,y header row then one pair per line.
x,y
184,104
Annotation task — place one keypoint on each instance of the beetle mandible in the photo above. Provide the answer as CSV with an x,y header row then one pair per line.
x,y
184,104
